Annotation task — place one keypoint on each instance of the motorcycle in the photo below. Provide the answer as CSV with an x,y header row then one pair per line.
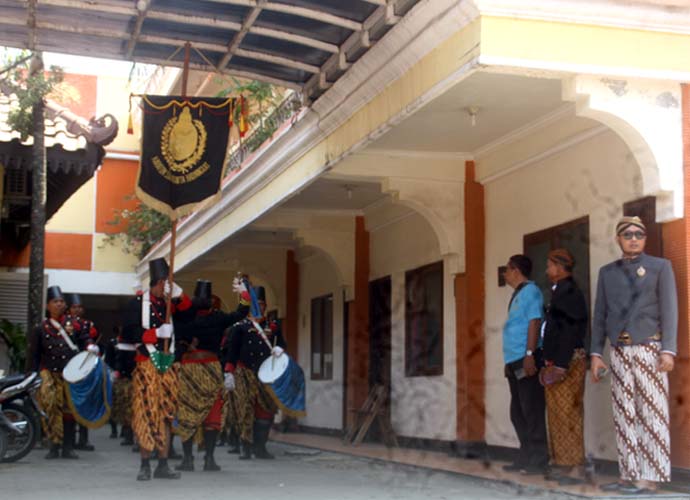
x,y
19,412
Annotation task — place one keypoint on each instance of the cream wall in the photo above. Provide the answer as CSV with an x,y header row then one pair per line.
x,y
324,397
113,98
78,213
422,407
592,178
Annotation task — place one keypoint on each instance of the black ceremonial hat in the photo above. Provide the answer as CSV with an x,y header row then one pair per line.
x,y
73,298
203,290
260,293
158,269
54,292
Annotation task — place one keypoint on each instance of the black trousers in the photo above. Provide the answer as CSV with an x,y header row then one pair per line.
x,y
528,415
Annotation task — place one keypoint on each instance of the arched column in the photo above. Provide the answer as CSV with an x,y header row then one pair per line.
x,y
647,115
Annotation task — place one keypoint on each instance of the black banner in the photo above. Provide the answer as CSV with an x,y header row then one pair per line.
x,y
183,147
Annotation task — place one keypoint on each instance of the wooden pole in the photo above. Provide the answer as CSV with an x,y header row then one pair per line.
x,y
173,229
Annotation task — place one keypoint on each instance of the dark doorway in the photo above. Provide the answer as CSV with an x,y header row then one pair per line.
x,y
574,236
380,342
645,209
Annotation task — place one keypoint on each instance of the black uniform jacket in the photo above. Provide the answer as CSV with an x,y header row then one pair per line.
x,y
47,348
566,323
245,345
209,328
132,329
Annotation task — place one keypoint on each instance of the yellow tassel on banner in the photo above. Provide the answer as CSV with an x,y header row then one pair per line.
x,y
244,112
130,125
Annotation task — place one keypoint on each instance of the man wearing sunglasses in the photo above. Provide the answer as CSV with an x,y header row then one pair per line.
x,y
637,310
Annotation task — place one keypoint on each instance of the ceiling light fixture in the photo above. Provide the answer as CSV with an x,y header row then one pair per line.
x,y
472,111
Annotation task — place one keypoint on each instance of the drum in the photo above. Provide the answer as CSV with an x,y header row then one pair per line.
x,y
284,380
90,391
79,367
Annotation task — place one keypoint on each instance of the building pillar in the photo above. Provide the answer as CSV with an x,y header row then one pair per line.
x,y
676,248
292,304
469,306
358,325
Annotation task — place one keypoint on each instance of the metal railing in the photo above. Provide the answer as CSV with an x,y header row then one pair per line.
x,y
258,135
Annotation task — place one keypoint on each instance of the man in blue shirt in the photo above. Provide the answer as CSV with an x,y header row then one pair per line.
x,y
522,356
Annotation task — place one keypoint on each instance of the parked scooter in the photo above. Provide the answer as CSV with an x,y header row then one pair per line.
x,y
19,413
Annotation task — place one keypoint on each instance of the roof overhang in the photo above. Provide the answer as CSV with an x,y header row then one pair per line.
x,y
305,45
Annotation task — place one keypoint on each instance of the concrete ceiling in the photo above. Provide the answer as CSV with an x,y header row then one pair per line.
x,y
332,194
504,103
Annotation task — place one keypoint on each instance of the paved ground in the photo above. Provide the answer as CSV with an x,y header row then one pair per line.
x,y
297,473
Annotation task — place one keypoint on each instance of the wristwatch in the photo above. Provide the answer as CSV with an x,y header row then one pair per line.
x,y
529,352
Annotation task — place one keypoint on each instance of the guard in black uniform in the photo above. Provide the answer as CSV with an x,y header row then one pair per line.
x,y
154,390
202,397
88,336
250,342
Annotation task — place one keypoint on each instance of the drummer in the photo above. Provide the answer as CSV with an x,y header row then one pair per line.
x,y
87,335
201,398
154,394
51,345
251,341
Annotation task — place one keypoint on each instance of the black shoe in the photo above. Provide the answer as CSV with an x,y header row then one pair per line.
x,y
210,465
514,467
84,447
144,473
54,452
187,464
632,489
262,428
614,486
164,472
246,451
127,442
535,470
69,454
233,450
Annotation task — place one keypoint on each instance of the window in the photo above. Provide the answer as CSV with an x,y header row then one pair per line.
x,y
322,338
424,321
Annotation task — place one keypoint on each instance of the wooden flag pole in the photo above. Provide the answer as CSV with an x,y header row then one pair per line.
x,y
173,229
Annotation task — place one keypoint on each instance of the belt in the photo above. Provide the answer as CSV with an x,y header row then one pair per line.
x,y
625,339
199,357
121,346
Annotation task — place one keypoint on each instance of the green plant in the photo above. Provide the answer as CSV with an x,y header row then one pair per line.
x,y
30,84
262,94
15,338
143,228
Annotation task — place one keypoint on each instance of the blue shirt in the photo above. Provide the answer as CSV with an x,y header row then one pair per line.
x,y
527,305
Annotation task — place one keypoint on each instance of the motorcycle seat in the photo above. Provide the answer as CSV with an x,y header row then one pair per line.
x,y
11,380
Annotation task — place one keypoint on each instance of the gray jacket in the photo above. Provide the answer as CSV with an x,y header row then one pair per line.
x,y
637,296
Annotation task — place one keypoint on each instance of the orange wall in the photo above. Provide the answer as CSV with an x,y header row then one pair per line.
x,y
115,181
86,86
62,251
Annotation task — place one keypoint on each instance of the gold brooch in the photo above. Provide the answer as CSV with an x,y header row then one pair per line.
x,y
641,271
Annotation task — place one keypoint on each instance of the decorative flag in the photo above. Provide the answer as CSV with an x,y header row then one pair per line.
x,y
183,150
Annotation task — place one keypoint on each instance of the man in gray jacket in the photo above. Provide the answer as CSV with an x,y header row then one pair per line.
x,y
637,310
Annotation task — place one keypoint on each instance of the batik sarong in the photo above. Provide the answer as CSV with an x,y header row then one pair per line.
x,y
640,413
565,414
154,404
122,401
201,384
249,392
52,398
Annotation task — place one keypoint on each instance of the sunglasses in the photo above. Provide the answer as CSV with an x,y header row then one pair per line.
x,y
629,235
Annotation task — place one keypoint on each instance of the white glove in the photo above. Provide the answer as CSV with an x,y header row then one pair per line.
x,y
93,349
229,382
238,286
176,290
277,351
164,331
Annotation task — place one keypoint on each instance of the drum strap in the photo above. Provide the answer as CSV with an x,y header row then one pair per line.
x,y
64,335
261,332
121,346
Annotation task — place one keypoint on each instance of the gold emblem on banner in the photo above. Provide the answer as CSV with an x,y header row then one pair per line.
x,y
183,144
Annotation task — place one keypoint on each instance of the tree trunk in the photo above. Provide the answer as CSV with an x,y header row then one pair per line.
x,y
38,219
